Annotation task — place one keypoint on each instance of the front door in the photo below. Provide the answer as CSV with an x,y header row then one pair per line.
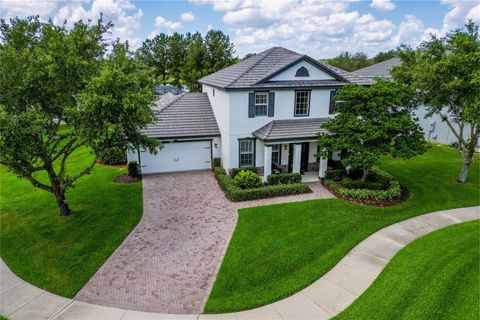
x,y
303,158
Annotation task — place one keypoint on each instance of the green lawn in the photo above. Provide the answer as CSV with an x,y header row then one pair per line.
x,y
435,277
61,254
280,249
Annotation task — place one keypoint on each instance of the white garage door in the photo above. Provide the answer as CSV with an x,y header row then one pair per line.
x,y
178,156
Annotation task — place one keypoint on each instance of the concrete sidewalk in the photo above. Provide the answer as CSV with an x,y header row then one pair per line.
x,y
325,298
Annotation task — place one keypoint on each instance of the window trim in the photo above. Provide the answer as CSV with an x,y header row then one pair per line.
x,y
295,103
253,151
266,93
279,154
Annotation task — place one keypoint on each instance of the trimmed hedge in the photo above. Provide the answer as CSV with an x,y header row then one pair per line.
x,y
236,171
113,156
246,179
284,178
392,191
358,184
216,162
335,174
235,193
133,169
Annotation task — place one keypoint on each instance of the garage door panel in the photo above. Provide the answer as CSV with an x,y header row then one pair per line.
x,y
178,156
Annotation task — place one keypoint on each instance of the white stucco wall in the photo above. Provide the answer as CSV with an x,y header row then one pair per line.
x,y
435,129
314,72
221,105
241,126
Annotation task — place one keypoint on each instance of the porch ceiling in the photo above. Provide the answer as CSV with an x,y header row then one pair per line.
x,y
305,128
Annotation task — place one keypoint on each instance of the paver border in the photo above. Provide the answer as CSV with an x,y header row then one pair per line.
x,y
325,298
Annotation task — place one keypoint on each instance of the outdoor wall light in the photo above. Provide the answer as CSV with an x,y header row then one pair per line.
x,y
216,145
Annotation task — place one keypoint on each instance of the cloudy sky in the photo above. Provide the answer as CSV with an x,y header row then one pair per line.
x,y
318,28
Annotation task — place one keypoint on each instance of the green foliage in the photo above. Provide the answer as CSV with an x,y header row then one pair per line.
x,y
284,178
335,174
183,59
133,170
444,74
372,122
216,162
112,155
235,171
351,62
383,187
234,193
52,76
247,179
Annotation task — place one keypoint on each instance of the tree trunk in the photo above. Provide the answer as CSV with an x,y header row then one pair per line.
x,y
57,189
467,160
366,171
62,203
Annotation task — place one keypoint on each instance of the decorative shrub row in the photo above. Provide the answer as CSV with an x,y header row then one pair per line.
x,y
246,179
113,155
335,174
392,190
235,171
235,193
358,184
216,162
284,178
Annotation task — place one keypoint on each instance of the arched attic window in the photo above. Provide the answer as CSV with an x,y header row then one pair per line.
x,y
302,72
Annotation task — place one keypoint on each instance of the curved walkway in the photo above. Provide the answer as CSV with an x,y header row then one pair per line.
x,y
323,299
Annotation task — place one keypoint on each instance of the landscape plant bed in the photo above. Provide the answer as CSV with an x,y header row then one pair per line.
x,y
125,178
235,193
376,203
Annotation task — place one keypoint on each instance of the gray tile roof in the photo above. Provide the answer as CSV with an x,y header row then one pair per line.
x,y
350,76
381,69
300,83
252,72
185,115
290,129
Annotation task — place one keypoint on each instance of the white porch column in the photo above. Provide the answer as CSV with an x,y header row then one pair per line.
x,y
322,167
297,156
267,163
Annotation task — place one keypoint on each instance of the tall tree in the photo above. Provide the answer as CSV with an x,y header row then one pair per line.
x,y
176,57
58,94
194,66
372,122
219,51
352,62
154,53
445,75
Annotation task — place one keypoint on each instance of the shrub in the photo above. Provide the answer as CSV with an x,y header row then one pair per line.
x,y
358,184
216,162
335,174
246,179
235,171
234,193
113,155
133,170
284,178
390,191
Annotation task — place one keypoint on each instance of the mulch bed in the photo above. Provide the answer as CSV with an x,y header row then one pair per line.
x,y
125,178
375,203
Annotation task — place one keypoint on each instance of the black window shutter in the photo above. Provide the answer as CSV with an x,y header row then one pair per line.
x,y
251,105
331,108
271,104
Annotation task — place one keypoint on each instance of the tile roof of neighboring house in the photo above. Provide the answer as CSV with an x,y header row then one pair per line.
x,y
185,115
381,69
350,76
290,129
254,71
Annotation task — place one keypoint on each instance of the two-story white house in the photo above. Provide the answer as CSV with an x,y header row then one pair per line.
x,y
264,112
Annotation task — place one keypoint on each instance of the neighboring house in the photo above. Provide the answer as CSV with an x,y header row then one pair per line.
x,y
434,128
264,111
168,88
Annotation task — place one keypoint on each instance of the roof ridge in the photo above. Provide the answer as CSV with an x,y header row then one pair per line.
x,y
252,66
177,98
270,127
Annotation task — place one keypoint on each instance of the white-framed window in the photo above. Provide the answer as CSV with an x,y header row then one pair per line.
x,y
261,103
302,103
246,153
276,154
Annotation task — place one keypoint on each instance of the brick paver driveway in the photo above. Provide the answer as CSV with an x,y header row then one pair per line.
x,y
170,260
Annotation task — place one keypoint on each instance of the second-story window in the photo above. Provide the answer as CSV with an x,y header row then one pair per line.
x,y
302,103
261,103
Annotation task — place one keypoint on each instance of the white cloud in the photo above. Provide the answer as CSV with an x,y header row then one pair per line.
x,y
124,15
187,16
325,28
474,14
161,22
209,27
382,5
